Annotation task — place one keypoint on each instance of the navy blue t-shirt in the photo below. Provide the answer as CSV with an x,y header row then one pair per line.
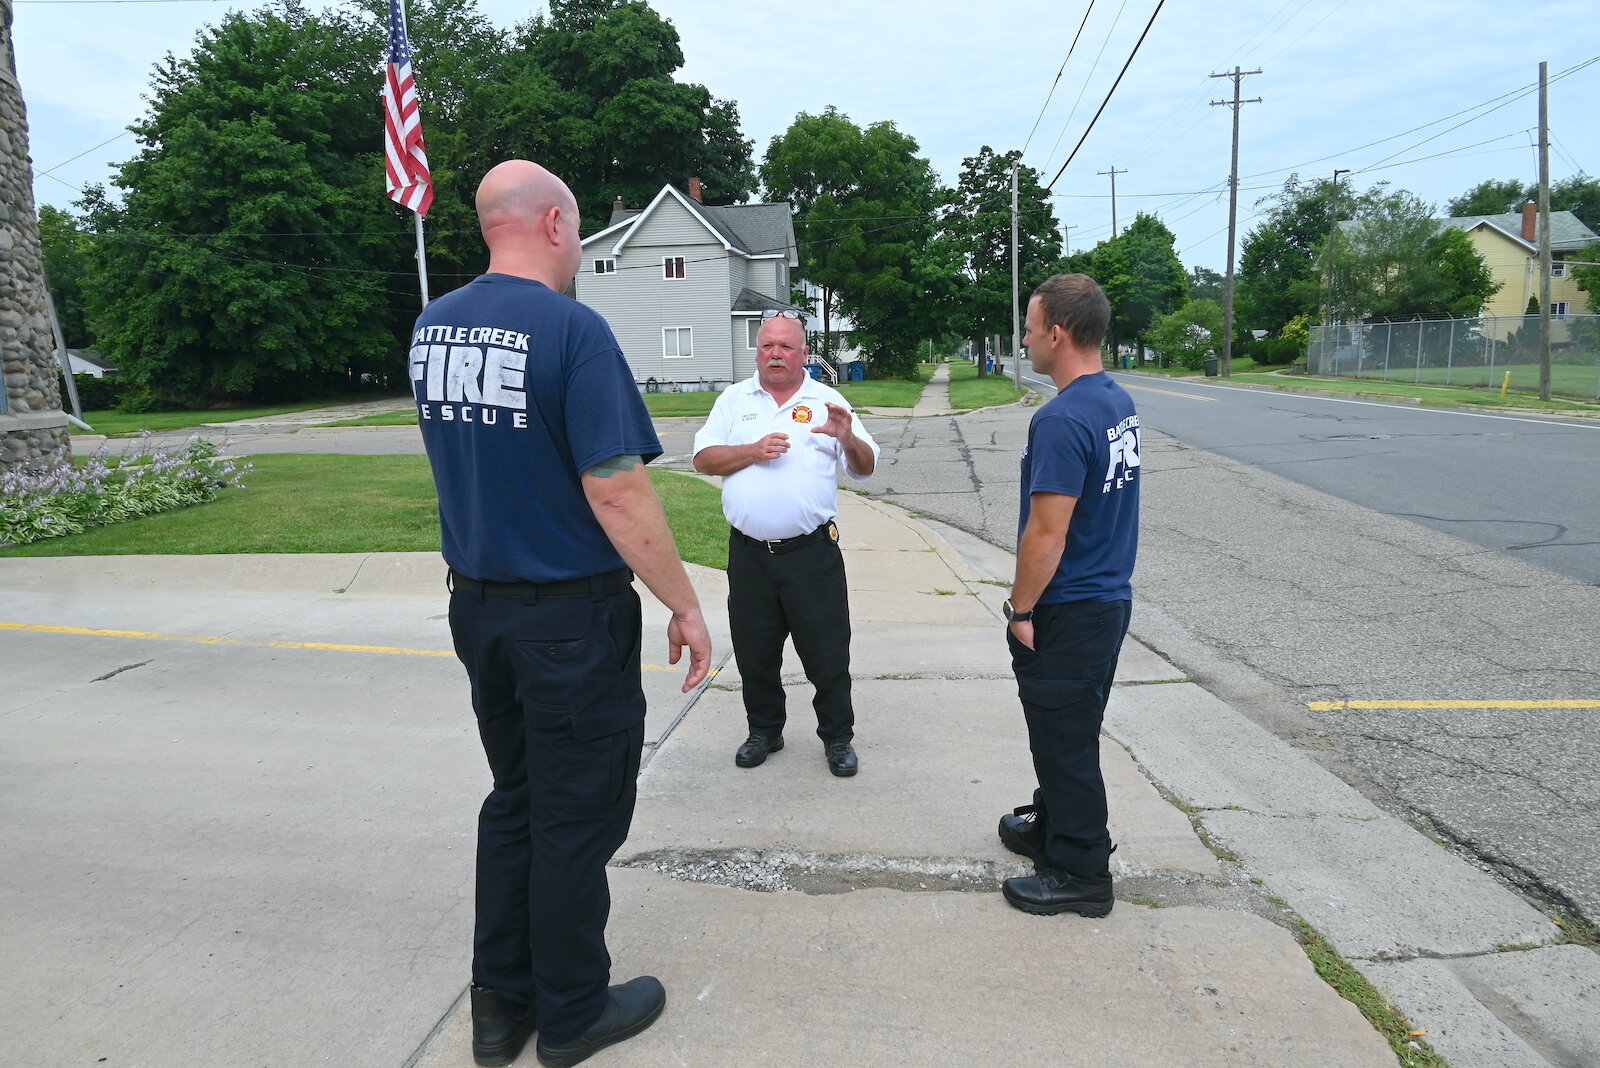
x,y
519,391
1084,443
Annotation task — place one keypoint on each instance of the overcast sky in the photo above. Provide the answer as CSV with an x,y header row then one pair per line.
x,y
1353,84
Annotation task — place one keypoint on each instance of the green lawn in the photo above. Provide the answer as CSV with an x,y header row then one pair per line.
x,y
967,390
348,504
111,422
885,392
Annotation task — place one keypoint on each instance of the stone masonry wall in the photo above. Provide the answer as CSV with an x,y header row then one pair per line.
x,y
33,428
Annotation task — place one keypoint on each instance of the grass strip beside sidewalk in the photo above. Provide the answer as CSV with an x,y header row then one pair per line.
x,y
347,504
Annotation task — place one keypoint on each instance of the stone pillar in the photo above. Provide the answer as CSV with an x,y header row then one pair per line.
x,y
33,428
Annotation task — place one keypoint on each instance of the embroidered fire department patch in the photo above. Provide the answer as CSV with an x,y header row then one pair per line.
x,y
801,414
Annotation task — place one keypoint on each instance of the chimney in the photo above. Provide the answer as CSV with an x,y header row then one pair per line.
x,y
695,191
1530,221
616,205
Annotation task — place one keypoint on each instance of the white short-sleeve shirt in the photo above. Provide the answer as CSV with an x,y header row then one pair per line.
x,y
798,492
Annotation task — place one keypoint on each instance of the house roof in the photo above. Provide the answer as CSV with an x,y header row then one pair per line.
x,y
749,300
93,359
1567,231
749,229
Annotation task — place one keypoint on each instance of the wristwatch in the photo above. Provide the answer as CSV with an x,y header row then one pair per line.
x,y
1013,616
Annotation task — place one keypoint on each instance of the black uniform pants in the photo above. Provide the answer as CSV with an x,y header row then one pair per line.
x,y
560,708
1064,682
772,596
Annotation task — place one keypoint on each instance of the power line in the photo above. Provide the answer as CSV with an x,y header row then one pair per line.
x,y
1064,62
1160,4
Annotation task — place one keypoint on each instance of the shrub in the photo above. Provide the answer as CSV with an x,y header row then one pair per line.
x,y
98,394
35,505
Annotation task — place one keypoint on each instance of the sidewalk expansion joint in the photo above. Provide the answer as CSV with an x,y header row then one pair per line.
x,y
785,867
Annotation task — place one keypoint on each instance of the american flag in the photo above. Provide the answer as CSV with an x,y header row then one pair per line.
x,y
405,160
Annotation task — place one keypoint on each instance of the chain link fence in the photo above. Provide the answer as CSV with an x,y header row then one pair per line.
x,y
1463,352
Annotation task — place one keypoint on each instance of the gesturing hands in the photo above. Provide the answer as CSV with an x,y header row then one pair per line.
x,y
838,424
771,447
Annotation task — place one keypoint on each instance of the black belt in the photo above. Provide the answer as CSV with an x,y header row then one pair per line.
x,y
606,582
789,545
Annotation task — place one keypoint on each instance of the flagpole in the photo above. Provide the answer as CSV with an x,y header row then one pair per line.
x,y
422,262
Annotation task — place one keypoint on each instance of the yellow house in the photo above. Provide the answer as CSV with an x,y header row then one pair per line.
x,y
1509,245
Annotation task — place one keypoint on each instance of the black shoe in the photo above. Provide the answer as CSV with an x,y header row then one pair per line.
x,y
753,753
500,1027
1021,832
1053,891
841,759
630,1008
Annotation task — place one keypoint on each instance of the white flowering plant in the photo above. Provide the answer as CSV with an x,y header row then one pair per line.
x,y
35,505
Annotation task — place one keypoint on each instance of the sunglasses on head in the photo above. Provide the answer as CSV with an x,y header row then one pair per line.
x,y
785,314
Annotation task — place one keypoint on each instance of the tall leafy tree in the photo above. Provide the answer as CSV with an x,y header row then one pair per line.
x,y
864,216
240,259
1395,260
1206,284
1141,275
623,125
979,225
66,245
1579,194
1493,196
1279,275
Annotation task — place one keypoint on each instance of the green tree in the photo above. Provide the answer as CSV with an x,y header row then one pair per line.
x,y
978,224
241,257
1279,275
1394,260
1206,284
1579,194
1141,276
1191,334
1493,197
614,122
66,246
864,217
1587,276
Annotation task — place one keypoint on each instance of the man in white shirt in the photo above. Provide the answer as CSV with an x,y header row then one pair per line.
x,y
778,440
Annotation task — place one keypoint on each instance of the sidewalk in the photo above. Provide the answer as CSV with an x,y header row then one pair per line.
x,y
237,798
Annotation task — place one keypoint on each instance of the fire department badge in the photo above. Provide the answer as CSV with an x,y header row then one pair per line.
x,y
801,414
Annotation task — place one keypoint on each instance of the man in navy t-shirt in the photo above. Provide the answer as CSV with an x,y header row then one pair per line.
x,y
1070,601
538,439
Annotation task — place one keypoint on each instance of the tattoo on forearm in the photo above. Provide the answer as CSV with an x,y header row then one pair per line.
x,y
617,465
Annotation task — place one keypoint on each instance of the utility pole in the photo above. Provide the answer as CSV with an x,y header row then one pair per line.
x,y
1333,236
1233,211
1113,172
1544,233
1016,326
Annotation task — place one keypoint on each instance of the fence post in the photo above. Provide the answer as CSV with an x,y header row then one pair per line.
x,y
1388,345
1422,336
1450,353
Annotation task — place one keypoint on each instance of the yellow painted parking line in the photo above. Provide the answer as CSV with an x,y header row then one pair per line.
x,y
196,639
1168,392
1341,706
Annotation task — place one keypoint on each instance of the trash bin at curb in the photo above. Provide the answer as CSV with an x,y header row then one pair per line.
x,y
858,371
1211,367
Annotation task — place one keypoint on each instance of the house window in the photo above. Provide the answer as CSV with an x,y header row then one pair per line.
x,y
672,267
1558,268
1558,309
677,342
605,266
752,333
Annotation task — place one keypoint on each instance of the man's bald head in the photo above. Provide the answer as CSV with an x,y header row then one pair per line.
x,y
529,220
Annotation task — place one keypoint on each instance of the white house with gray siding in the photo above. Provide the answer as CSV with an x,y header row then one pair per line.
x,y
683,285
